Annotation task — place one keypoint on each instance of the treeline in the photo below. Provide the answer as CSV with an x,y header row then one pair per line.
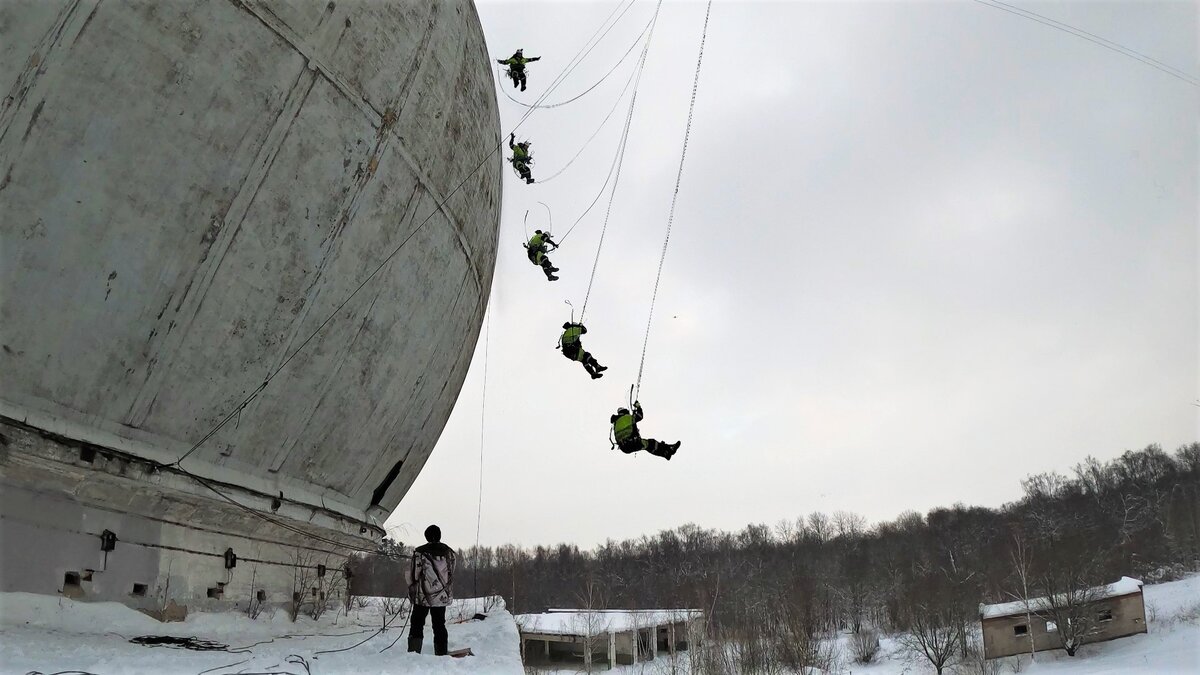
x,y
1137,515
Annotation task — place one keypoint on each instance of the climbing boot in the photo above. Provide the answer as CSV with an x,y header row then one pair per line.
x,y
414,645
595,375
551,277
528,180
599,368
440,648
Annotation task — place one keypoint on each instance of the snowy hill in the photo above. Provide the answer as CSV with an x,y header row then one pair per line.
x,y
1171,646
46,634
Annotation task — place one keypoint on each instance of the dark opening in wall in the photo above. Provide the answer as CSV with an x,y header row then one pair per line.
x,y
139,590
261,595
296,596
1021,629
216,592
314,592
71,579
87,574
87,454
380,491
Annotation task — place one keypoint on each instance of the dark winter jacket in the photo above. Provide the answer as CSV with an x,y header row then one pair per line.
x,y
431,575
517,63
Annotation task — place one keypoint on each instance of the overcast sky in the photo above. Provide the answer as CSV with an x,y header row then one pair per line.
x,y
921,251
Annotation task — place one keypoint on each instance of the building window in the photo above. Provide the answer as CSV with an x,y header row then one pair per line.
x,y
139,590
1051,627
261,595
1104,615
1020,630
71,579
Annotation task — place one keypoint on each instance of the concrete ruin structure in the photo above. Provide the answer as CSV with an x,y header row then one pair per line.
x,y
569,637
1019,627
189,192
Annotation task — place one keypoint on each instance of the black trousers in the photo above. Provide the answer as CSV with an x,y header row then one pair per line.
x,y
416,627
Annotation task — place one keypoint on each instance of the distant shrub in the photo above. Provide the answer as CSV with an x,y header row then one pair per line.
x,y
865,646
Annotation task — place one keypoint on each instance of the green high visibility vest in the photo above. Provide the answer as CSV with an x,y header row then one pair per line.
x,y
623,428
519,153
536,241
571,336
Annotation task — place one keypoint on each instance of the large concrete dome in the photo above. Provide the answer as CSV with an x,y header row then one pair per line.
x,y
187,191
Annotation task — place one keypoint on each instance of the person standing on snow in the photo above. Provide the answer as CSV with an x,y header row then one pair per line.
x,y
516,67
625,434
430,589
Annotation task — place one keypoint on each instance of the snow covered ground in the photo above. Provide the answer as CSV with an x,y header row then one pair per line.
x,y
1171,646
46,634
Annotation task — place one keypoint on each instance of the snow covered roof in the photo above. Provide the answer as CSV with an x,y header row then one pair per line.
x,y
1125,586
578,621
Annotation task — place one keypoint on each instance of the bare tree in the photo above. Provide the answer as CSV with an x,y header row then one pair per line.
x,y
391,608
1068,605
937,625
591,624
1022,561
303,574
865,646
257,603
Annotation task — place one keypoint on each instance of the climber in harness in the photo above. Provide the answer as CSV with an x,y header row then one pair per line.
x,y
573,349
536,249
521,159
626,437
516,67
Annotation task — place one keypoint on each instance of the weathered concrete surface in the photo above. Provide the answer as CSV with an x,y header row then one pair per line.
x,y
187,190
58,497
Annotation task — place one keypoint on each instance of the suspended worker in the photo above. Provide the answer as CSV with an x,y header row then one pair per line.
x,y
626,437
572,348
536,249
516,67
521,158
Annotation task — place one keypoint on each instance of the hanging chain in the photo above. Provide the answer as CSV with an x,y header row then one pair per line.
x,y
674,198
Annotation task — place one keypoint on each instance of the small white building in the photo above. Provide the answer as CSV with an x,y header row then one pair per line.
x,y
624,636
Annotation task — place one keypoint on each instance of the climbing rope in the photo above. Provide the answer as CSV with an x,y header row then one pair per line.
x,y
603,123
620,160
574,62
482,418
611,168
236,411
590,44
589,89
674,198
